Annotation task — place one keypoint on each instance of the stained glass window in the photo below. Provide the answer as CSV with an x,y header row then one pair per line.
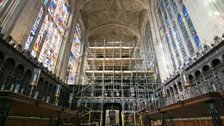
x,y
185,34
37,44
175,48
176,32
169,10
175,7
51,47
191,27
180,1
180,42
74,56
45,2
170,33
34,28
52,7
59,11
170,50
49,39
168,42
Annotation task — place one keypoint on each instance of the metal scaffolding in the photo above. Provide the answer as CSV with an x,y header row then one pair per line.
x,y
114,72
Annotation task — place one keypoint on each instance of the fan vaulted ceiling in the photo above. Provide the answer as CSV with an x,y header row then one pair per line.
x,y
113,19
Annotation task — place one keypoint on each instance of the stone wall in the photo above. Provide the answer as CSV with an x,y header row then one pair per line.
x,y
20,27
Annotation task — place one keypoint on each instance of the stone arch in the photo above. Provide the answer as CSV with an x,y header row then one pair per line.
x,y
45,90
197,73
40,88
50,92
54,88
180,86
215,62
175,89
168,92
190,77
109,29
138,1
205,68
171,91
19,71
61,98
7,74
25,83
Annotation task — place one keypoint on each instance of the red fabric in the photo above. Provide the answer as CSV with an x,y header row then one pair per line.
x,y
1,1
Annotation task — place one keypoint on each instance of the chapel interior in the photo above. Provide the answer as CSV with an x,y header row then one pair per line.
x,y
111,62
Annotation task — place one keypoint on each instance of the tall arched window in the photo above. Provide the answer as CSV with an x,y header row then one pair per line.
x,y
191,27
49,39
180,42
176,31
169,31
74,56
167,46
172,57
34,28
148,48
185,35
181,34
